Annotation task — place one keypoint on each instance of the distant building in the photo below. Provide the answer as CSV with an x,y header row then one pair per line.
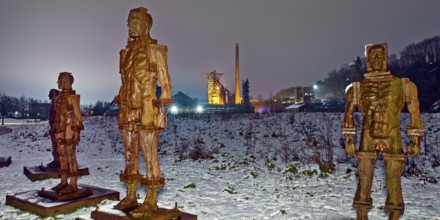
x,y
261,106
290,99
295,95
304,94
220,99
217,93
39,110
184,103
295,107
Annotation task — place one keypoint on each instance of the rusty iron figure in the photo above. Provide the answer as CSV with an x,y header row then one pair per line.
x,y
380,97
68,122
143,64
53,94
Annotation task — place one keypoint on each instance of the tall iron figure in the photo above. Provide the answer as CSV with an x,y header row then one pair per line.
x,y
380,97
68,123
143,64
53,94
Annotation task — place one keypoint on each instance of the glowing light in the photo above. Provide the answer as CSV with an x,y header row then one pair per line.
x,y
315,87
174,109
199,109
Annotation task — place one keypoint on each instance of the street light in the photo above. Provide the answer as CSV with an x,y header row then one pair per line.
x,y
174,109
199,109
315,93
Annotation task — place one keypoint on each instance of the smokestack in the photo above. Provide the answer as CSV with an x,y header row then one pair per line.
x,y
237,77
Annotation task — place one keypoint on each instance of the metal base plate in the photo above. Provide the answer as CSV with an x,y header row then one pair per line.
x,y
54,196
43,172
5,161
31,202
162,214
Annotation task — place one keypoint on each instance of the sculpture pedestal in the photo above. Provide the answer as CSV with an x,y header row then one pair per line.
x,y
54,196
5,161
30,201
43,172
161,214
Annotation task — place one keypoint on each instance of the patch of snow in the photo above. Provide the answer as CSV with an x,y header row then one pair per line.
x,y
261,167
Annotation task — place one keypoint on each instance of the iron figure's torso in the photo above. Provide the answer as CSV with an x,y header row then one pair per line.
x,y
64,113
139,72
381,100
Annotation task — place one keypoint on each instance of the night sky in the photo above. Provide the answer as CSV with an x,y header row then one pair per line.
x,y
283,43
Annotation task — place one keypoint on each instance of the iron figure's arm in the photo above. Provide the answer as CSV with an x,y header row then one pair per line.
x,y
52,115
348,129
415,129
162,71
163,77
120,98
78,125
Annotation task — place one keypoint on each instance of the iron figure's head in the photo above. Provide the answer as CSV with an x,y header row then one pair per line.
x,y
377,57
139,23
53,93
65,81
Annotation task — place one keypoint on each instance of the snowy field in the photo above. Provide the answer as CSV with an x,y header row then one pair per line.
x,y
244,166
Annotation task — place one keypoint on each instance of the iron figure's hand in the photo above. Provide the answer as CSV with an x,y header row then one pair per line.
x,y
162,106
59,135
381,145
414,147
75,137
162,122
78,127
117,100
349,145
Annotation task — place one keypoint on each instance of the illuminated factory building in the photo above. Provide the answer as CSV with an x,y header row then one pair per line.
x,y
220,95
217,93
220,99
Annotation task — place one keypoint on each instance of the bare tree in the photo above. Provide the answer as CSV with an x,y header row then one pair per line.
x,y
6,105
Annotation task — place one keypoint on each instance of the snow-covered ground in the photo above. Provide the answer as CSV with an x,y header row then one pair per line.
x,y
252,167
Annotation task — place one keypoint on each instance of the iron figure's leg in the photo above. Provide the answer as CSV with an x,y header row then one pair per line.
x,y
73,171
131,151
362,200
72,165
56,155
394,203
125,141
149,141
149,205
129,202
131,175
155,167
149,144
63,162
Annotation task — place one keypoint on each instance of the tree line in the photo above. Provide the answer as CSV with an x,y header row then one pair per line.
x,y
418,61
99,108
30,108
14,107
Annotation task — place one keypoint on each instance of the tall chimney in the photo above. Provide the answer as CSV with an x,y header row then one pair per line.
x,y
237,77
